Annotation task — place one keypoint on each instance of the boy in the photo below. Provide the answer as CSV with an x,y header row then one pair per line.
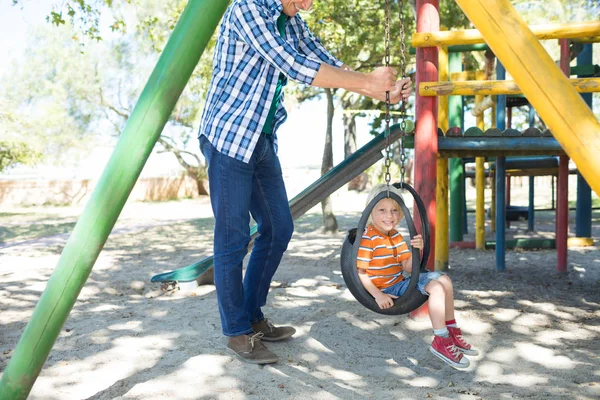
x,y
383,260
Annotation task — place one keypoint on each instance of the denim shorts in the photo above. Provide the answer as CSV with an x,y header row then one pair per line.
x,y
424,278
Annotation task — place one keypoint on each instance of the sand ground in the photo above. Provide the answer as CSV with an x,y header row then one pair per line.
x,y
125,338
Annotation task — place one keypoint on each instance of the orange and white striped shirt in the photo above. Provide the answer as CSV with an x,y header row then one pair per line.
x,y
380,255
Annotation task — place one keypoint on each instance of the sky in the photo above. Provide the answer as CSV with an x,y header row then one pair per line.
x,y
16,21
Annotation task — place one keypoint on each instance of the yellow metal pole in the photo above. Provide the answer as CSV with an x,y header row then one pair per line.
x,y
480,186
441,201
588,31
569,118
472,88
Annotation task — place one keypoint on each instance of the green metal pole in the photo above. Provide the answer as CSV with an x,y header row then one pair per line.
x,y
455,165
174,68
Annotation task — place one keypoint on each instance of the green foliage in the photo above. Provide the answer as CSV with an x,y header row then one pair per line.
x,y
84,15
67,94
342,28
46,96
451,15
13,153
68,91
557,11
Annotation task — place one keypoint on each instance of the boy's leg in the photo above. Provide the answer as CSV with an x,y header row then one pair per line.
x,y
453,330
270,209
436,304
449,292
442,345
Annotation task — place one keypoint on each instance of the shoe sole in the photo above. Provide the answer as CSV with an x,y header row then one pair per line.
x,y
449,361
251,361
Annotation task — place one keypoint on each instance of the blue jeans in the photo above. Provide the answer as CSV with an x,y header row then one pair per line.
x,y
424,278
238,190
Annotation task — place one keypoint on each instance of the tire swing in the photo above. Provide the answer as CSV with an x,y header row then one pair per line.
x,y
412,298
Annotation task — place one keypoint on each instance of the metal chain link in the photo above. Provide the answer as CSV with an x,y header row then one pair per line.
x,y
403,104
388,158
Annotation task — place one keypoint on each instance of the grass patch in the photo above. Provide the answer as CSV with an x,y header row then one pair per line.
x,y
33,231
595,203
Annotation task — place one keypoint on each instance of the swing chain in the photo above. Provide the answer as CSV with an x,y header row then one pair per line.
x,y
403,104
388,158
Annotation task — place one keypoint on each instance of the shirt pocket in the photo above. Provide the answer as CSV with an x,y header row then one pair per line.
x,y
233,51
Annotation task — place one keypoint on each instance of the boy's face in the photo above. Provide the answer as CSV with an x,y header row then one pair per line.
x,y
385,215
291,7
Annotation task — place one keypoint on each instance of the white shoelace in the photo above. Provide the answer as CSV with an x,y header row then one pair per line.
x,y
255,337
270,325
453,350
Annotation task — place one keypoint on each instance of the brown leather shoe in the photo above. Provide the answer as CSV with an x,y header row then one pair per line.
x,y
250,349
272,333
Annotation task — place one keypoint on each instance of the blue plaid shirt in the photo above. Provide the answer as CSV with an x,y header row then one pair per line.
x,y
249,54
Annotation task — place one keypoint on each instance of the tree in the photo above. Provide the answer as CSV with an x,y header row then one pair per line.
x,y
96,81
44,97
329,221
13,153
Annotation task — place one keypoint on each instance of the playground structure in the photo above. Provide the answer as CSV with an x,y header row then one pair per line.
x,y
569,118
501,142
477,142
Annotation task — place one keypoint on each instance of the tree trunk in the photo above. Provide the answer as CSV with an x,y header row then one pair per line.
x,y
360,182
349,134
196,172
329,220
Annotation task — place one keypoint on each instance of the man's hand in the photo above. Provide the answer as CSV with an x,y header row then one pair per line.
x,y
401,89
373,84
382,79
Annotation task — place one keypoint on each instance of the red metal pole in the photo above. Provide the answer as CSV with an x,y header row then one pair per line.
x,y
562,201
426,145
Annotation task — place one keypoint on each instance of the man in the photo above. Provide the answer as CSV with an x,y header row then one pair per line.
x,y
261,44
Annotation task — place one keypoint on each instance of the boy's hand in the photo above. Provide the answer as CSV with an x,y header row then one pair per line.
x,y
417,242
385,300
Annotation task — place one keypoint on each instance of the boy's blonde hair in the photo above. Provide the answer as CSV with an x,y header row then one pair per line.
x,y
383,187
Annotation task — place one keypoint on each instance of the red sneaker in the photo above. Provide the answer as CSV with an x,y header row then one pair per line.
x,y
445,349
461,343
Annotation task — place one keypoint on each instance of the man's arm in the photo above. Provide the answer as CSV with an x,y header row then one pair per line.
x,y
253,27
373,84
309,44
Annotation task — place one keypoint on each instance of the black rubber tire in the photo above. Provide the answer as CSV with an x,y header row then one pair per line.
x,y
412,298
425,231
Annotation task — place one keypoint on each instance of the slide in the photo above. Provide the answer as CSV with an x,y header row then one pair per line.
x,y
327,184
